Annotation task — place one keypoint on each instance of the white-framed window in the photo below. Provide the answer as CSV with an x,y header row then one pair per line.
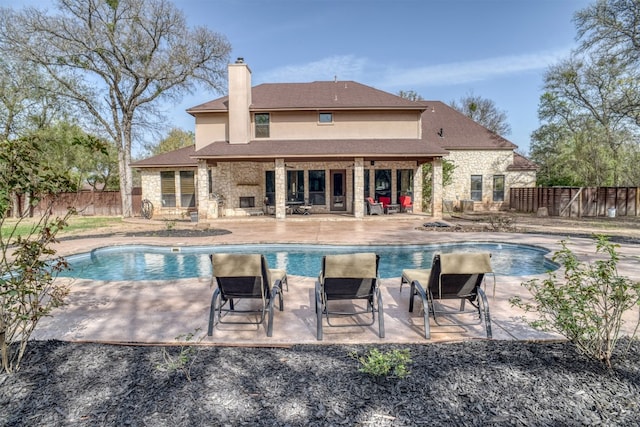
x,y
325,118
498,188
262,121
168,188
476,188
187,189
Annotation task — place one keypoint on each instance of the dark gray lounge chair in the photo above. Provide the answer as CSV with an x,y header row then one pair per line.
x,y
452,276
349,277
240,276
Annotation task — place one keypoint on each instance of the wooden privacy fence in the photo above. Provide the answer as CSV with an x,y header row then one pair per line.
x,y
90,203
577,201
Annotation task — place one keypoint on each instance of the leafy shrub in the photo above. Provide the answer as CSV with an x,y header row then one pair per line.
x,y
28,289
587,304
389,364
185,358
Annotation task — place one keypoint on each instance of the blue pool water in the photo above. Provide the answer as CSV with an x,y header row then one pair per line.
x,y
158,263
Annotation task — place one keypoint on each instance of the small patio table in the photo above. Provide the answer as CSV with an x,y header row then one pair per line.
x,y
391,208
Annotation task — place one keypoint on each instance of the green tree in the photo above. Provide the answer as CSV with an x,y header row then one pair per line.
x,y
176,138
484,112
580,95
608,29
411,95
27,101
117,59
65,148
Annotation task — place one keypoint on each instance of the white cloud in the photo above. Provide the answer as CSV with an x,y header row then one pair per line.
x,y
465,72
386,76
345,67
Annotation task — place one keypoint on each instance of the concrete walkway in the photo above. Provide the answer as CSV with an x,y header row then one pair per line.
x,y
161,311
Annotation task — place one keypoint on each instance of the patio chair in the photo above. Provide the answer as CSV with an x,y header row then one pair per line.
x,y
243,276
452,276
406,205
373,207
349,277
305,209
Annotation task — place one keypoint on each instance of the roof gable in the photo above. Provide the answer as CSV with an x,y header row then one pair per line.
x,y
314,96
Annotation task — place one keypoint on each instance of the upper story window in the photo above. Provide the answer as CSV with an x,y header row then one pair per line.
x,y
262,125
325,117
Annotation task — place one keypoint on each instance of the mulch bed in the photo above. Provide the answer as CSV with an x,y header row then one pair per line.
x,y
177,232
495,383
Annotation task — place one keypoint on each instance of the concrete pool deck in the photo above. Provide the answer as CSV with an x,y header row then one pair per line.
x,y
157,312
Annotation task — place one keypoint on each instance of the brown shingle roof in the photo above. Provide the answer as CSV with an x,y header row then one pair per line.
x,y
458,132
290,149
521,163
314,96
176,158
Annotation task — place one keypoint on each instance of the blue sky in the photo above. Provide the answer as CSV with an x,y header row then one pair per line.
x,y
441,49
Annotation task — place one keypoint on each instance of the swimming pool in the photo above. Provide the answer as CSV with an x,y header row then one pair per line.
x,y
141,262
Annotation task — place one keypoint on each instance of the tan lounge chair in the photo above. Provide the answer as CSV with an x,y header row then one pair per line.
x,y
240,276
452,276
349,277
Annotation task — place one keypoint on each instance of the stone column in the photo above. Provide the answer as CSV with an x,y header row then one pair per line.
x,y
418,177
358,188
436,185
202,189
281,189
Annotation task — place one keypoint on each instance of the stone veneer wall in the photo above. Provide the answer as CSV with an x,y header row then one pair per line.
x,y
486,163
151,190
246,179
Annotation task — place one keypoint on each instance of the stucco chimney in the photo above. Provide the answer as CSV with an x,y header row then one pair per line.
x,y
239,102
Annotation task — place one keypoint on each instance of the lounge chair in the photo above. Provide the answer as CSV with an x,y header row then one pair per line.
x,y
452,276
374,208
349,277
241,276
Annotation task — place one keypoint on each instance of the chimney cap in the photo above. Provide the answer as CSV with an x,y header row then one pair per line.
x,y
240,60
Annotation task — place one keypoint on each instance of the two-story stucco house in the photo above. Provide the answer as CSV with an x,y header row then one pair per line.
x,y
329,145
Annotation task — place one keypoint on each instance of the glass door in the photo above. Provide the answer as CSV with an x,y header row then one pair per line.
x,y
338,199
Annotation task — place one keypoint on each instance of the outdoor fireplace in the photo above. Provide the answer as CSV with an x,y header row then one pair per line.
x,y
248,202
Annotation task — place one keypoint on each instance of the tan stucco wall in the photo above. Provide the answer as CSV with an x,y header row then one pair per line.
x,y
346,125
486,163
239,102
210,127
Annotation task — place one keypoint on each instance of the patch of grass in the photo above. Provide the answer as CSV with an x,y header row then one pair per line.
x,y
390,364
76,224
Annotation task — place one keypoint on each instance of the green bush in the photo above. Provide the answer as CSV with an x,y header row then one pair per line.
x,y
389,364
587,304
185,358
